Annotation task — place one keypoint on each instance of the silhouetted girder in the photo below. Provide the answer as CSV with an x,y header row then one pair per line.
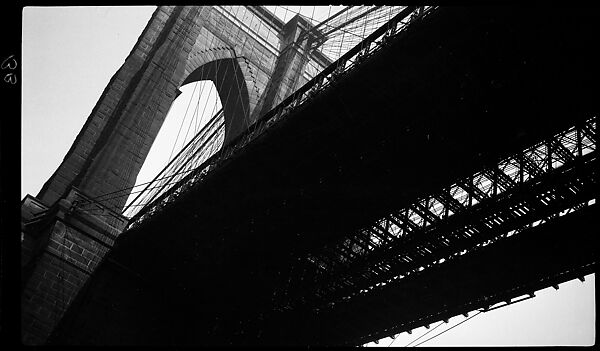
x,y
473,191
560,178
379,232
500,178
562,152
588,132
540,256
463,99
498,219
361,240
532,168
423,212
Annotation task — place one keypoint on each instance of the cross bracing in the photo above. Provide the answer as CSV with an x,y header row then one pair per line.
x,y
298,225
552,178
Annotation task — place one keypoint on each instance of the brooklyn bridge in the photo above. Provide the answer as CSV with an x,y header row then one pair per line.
x,y
377,170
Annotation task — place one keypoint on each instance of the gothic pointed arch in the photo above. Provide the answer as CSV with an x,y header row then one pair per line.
x,y
221,66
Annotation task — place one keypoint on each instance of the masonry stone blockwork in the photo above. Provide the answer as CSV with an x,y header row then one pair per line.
x,y
247,52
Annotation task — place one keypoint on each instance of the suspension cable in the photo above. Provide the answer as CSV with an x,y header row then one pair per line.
x,y
429,331
454,326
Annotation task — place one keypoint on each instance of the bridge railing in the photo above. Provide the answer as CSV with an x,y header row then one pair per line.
x,y
346,63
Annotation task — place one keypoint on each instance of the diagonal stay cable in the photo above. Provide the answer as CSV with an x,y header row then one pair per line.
x,y
232,144
98,198
452,327
422,336
182,122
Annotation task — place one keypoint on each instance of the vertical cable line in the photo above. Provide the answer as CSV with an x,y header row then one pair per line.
x,y
174,59
234,62
185,117
190,164
194,119
227,99
168,177
171,162
196,83
210,88
218,64
182,122
201,94
117,114
195,111
225,74
405,11
202,86
247,113
170,59
160,41
138,141
261,96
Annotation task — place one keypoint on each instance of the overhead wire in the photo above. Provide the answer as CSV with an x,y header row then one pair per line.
x,y
422,336
185,115
454,326
202,68
225,103
138,140
236,77
191,98
105,200
195,87
99,198
198,121
182,122
189,149
160,186
194,115
181,167
209,95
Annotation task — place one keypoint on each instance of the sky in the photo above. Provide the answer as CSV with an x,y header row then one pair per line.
x,y
69,55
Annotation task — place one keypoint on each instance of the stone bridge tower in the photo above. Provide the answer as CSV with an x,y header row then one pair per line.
x,y
254,61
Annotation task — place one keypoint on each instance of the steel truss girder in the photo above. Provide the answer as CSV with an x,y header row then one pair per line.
x,y
510,206
465,244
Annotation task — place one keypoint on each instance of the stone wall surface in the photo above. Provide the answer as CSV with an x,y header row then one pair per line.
x,y
73,222
61,247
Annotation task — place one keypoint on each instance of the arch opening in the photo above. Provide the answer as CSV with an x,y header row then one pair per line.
x,y
230,84
194,107
211,109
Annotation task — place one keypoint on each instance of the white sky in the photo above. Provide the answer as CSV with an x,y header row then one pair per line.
x,y
70,54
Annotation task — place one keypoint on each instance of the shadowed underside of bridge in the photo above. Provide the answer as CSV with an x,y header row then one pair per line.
x,y
456,92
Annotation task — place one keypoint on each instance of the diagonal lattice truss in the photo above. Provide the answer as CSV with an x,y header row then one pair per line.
x,y
552,178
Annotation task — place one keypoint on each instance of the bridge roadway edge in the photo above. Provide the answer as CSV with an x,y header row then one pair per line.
x,y
530,127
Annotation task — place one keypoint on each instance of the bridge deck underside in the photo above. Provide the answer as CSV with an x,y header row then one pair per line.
x,y
456,92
